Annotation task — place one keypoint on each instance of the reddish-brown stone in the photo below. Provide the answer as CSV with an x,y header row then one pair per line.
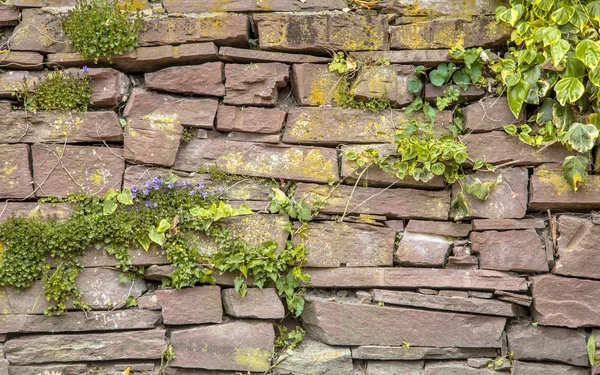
x,y
508,224
21,60
240,55
9,15
39,31
255,84
15,176
153,139
34,209
249,119
384,81
197,305
489,114
426,57
193,6
387,353
548,190
204,79
439,228
423,250
577,248
257,304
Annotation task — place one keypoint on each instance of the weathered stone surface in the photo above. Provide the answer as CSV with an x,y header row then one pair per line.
x,y
514,250
240,55
489,114
548,189
314,84
518,299
101,288
439,227
59,170
204,79
445,303
406,278
152,139
191,305
64,369
246,137
236,346
395,203
384,81
438,7
321,32
86,347
354,324
500,148
471,94
144,59
455,368
507,201
99,257
250,120
577,243
423,250
426,57
255,84
39,31
197,113
388,353
21,60
309,164
220,28
547,344
59,127
525,368
9,15
257,303
554,298
333,244
15,176
446,33
395,368
332,126
43,3
317,358
33,209
77,321
192,6
508,224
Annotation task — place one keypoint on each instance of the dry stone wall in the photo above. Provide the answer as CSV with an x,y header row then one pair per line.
x,y
397,287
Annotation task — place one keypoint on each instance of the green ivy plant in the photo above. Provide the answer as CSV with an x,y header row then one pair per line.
x,y
554,64
101,28
56,90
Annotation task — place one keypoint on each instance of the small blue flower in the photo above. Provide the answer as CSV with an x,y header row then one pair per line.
x,y
204,194
221,189
170,186
84,68
179,184
186,183
155,187
201,185
192,192
148,204
148,184
134,189
154,204
145,191
133,195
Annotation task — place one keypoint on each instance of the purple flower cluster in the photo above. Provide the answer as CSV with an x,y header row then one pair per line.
x,y
157,182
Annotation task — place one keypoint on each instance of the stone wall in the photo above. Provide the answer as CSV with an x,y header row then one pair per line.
x,y
251,76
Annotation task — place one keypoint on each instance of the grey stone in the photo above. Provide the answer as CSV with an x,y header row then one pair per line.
x,y
455,368
423,250
387,353
192,6
64,369
317,358
250,120
257,304
576,248
508,224
182,306
525,368
490,114
395,368
384,81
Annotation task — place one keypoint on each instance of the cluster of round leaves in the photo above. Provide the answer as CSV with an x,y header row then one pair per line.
x,y
57,90
554,65
101,28
162,213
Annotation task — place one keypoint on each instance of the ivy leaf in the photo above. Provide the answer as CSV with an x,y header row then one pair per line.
x,y
579,18
568,89
145,241
588,52
299,307
457,52
482,190
438,168
582,137
574,170
510,16
593,10
510,78
547,35
156,237
544,5
563,15
510,129
458,207
461,79
429,112
594,76
111,194
558,50
415,85
125,197
109,207
516,96
574,68
591,349
437,77
163,226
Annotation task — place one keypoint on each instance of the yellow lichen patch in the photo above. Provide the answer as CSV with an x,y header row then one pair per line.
x,y
555,178
449,35
412,36
254,358
99,178
264,4
65,126
162,122
323,90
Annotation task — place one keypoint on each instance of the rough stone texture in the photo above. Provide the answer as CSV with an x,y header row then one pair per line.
x,y
43,3
525,368
395,368
384,81
86,347
220,28
144,59
64,369
255,84
314,84
515,250
555,296
406,278
321,32
439,228
500,148
547,344
101,288
192,6
548,189
317,358
59,170
9,15
197,113
33,209
39,31
240,55
508,224
334,244
204,79
455,368
257,304
153,139
236,346
445,303
423,250
354,324
80,322
250,120
309,164
447,33
576,248
429,58
99,257
471,94
507,201
196,305
15,176
394,203
388,353
489,114
21,60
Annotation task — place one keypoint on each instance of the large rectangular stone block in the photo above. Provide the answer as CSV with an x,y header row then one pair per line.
x,y
40,31
240,55
255,84
577,248
15,176
197,305
390,353
193,6
250,120
548,189
204,79
489,115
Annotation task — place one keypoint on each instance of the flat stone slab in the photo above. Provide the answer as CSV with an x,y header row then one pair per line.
x,y
59,170
255,84
321,32
250,120
390,353
508,224
526,368
395,367
392,203
548,190
314,357
489,115
86,347
439,228
33,209
310,164
438,302
455,368
182,306
438,7
423,250
257,304
39,31
355,324
21,60
235,346
577,244
404,278
15,176
153,139
241,55
426,57
203,79
192,6
64,369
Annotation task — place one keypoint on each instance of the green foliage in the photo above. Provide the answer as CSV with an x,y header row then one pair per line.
x,y
451,96
281,203
591,350
99,28
217,175
56,90
189,134
288,340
